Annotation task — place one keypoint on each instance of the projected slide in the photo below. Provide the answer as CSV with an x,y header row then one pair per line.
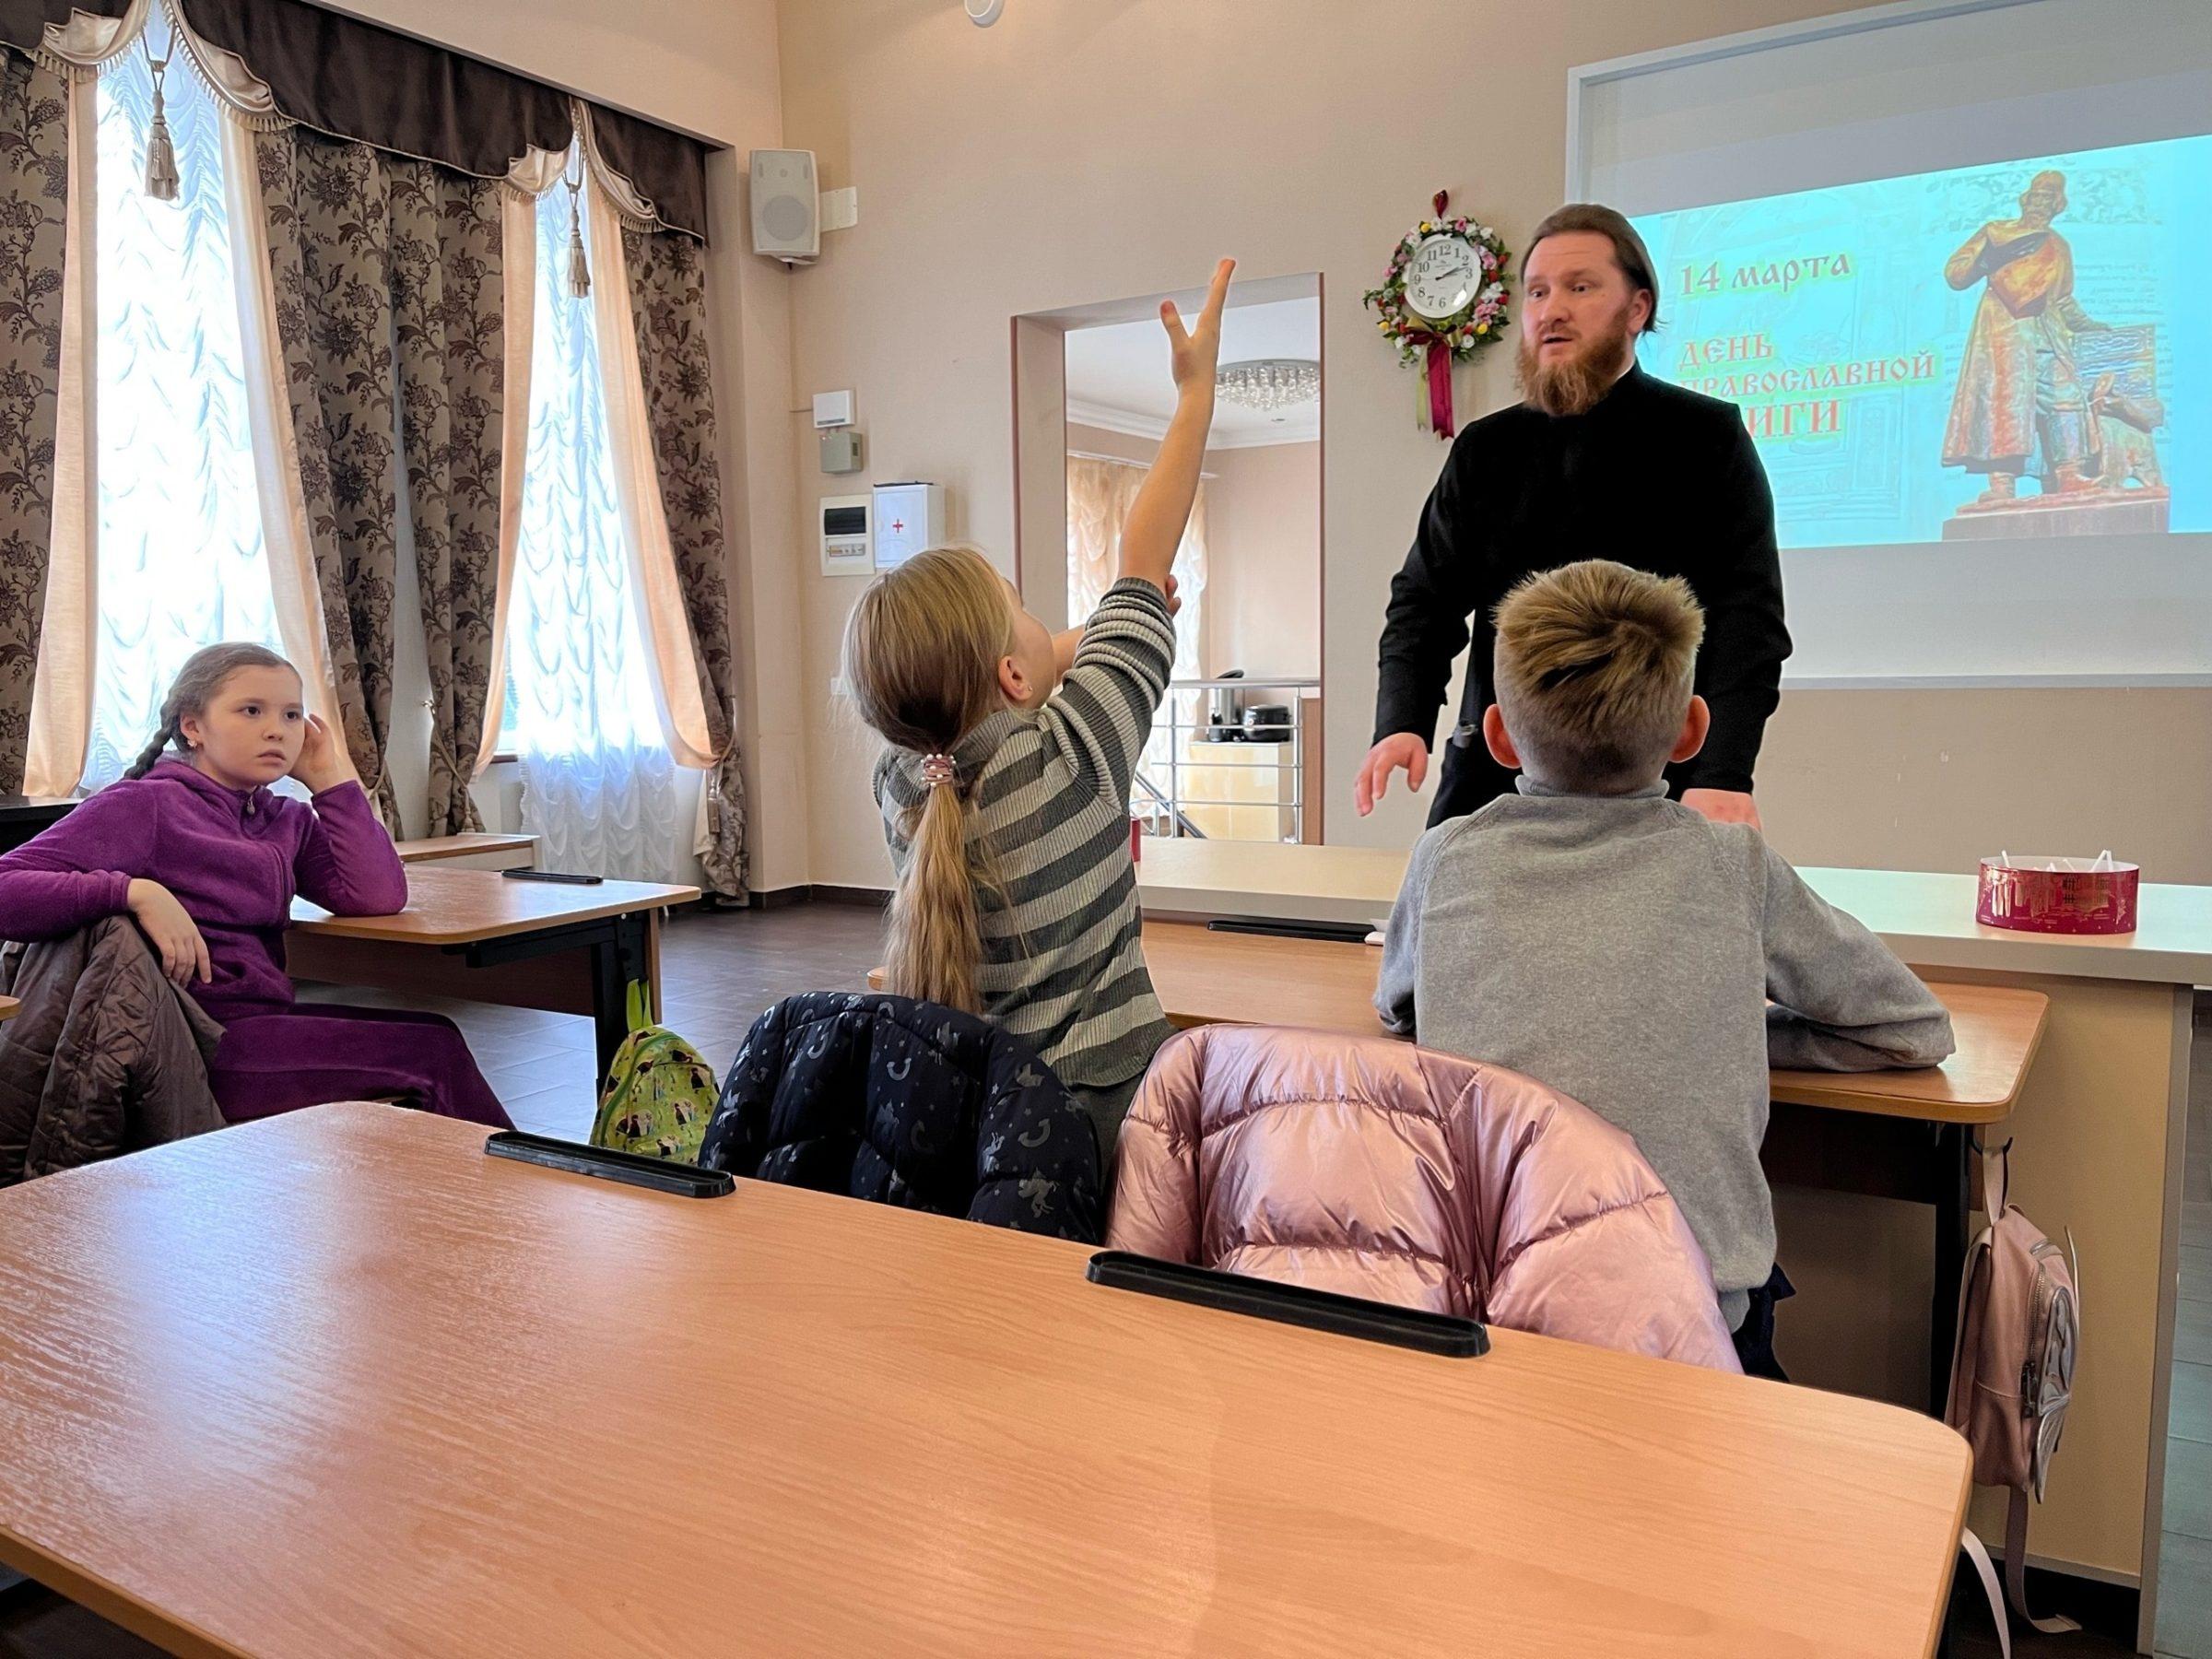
x,y
2015,350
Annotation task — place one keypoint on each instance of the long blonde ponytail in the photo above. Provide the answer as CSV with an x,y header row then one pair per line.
x,y
922,654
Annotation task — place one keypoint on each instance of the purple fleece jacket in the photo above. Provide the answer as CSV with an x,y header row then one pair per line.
x,y
233,858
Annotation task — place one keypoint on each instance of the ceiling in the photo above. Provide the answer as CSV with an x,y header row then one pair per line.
x,y
1117,375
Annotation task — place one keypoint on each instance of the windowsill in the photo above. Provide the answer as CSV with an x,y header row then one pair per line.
x,y
503,758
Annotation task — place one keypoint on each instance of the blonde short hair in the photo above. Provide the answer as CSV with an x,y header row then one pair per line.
x,y
1595,663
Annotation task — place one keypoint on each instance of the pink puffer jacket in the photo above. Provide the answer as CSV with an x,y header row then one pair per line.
x,y
1382,1169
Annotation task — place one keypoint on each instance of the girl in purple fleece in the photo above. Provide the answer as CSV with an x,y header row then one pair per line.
x,y
193,845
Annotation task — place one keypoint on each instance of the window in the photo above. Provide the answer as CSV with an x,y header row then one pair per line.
x,y
599,785
180,562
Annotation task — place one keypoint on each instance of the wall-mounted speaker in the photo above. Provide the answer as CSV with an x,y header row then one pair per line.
x,y
786,225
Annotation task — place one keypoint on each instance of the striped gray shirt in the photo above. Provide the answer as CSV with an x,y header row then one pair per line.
x,y
1063,965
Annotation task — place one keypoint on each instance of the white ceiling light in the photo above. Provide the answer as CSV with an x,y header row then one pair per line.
x,y
983,13
1269,383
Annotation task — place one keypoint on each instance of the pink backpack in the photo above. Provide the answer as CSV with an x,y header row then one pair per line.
x,y
2012,1375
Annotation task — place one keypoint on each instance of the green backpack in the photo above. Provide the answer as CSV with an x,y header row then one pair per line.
x,y
660,1092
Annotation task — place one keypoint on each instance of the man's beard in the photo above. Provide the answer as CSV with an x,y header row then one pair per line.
x,y
1575,385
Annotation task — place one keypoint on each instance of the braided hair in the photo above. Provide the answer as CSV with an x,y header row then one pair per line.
x,y
196,685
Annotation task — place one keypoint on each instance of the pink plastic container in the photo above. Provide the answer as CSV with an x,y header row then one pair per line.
x,y
2058,895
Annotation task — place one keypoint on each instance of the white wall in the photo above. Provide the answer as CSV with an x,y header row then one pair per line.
x,y
1264,544
1079,151
1082,149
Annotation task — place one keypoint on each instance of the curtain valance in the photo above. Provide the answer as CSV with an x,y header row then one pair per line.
x,y
357,81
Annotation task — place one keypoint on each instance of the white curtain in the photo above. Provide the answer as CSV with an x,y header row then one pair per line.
x,y
1100,494
598,784
61,703
667,636
180,558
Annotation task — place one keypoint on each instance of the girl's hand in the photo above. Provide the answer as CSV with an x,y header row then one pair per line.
x,y
322,764
1194,354
1175,598
173,934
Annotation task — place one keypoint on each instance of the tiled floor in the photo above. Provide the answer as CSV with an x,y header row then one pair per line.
x,y
718,972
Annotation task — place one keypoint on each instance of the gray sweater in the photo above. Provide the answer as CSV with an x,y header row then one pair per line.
x,y
1622,948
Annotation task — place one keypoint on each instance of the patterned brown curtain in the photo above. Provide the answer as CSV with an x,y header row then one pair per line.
x,y
328,209
387,275
446,252
668,305
34,189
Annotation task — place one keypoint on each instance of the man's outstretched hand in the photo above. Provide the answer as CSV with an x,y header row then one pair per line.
x,y
1401,751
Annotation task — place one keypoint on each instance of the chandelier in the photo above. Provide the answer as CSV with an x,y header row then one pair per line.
x,y
1268,384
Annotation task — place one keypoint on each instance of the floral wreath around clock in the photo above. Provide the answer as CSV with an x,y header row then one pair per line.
x,y
1443,299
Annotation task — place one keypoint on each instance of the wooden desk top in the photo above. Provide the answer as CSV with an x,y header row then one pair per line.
x,y
449,1404
1927,917
436,847
1206,978
8,1006
459,907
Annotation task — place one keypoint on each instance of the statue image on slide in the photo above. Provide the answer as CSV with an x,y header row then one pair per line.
x,y
2048,392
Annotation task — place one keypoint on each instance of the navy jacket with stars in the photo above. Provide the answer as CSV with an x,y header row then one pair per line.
x,y
911,1103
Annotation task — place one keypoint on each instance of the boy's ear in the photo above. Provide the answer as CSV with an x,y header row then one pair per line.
x,y
1499,740
1697,720
1013,682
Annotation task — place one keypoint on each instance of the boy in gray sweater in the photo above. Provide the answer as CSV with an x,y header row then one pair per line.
x,y
1614,944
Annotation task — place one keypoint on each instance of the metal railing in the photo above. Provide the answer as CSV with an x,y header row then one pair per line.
x,y
1172,769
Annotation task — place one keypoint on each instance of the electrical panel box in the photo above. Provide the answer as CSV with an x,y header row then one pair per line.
x,y
848,539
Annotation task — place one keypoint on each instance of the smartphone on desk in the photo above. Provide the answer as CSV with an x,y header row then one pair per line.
x,y
1416,1328
603,1163
559,875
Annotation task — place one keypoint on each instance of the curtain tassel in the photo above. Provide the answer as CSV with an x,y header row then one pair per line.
x,y
580,269
161,181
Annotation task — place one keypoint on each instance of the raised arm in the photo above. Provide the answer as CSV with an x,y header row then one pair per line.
x,y
1117,666
1154,528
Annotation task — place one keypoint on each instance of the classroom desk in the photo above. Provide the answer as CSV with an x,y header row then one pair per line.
x,y
442,1402
472,850
482,936
1209,978
1204,977
8,1005
2097,1137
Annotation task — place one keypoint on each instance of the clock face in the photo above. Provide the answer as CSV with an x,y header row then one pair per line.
x,y
1442,277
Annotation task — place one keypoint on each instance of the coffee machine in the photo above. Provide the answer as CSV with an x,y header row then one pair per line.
x,y
1225,720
